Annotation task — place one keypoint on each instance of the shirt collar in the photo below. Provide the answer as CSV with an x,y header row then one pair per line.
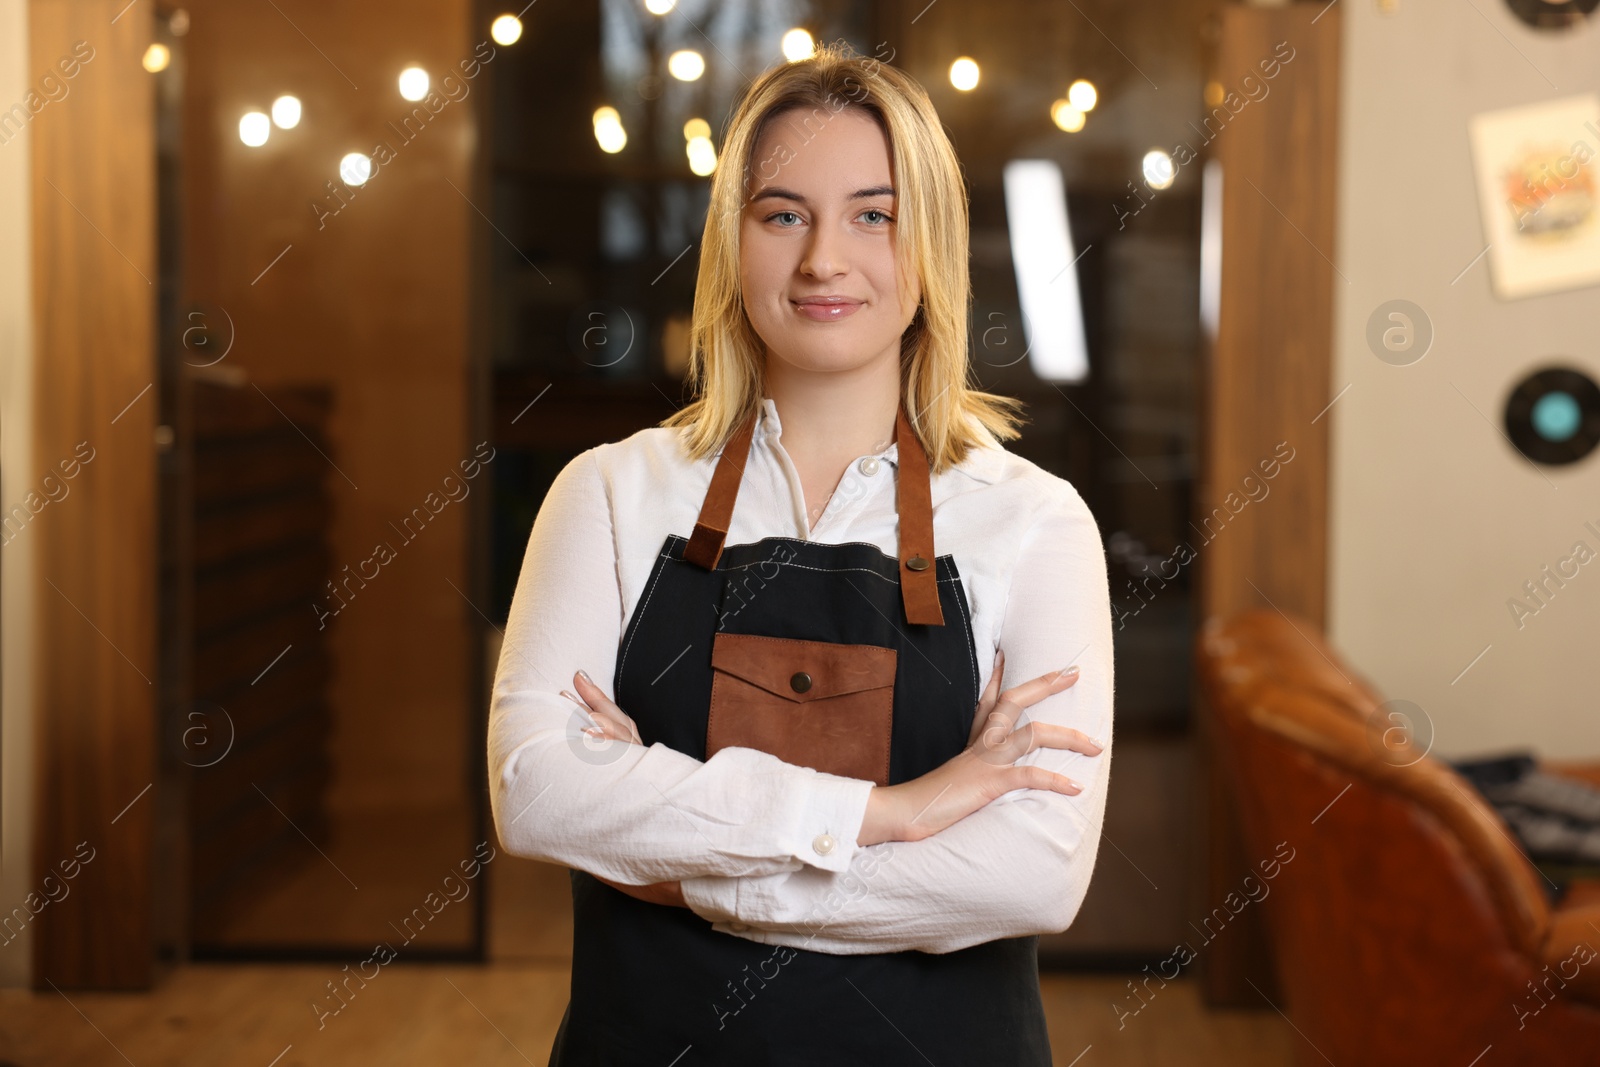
x,y
982,462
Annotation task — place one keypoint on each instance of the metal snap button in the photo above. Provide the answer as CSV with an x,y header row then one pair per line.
x,y
800,682
868,466
823,844
916,563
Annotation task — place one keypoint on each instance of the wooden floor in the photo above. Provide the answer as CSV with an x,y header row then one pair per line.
x,y
394,858
504,1013
507,1012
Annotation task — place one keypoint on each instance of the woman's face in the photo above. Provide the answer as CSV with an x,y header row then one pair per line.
x,y
819,222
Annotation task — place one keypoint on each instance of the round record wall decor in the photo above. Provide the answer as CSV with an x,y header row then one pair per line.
x,y
1553,415
1552,14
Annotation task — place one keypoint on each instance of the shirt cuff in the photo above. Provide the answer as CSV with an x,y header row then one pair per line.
x,y
825,832
823,837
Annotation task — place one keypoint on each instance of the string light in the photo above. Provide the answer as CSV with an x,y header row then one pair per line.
x,y
686,65
1064,115
254,128
506,30
608,131
702,155
964,74
1158,169
413,83
355,169
798,45
286,112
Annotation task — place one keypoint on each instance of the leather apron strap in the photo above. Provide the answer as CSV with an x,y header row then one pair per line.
x,y
919,583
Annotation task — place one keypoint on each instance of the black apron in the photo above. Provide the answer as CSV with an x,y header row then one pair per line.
x,y
654,985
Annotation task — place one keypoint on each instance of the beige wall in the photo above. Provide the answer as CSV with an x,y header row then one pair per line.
x,y
1437,522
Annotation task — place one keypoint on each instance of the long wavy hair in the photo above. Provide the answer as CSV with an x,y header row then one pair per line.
x,y
727,358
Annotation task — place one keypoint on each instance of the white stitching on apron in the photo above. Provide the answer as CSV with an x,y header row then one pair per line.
x,y
666,553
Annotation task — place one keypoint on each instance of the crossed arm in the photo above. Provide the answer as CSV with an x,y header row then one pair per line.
x,y
730,836
633,814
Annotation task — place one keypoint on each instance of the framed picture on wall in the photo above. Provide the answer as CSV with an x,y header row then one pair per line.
x,y
1538,169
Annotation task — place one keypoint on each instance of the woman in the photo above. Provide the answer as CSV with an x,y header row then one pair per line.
x,y
807,825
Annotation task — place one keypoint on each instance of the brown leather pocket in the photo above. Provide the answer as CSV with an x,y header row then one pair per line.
x,y
815,704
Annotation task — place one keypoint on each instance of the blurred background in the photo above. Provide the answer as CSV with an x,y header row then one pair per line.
x,y
303,306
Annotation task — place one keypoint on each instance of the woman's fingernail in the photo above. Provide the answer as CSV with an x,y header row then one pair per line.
x,y
1066,672
585,676
1097,742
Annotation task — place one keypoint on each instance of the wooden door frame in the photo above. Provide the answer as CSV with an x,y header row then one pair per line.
x,y
94,584
1268,380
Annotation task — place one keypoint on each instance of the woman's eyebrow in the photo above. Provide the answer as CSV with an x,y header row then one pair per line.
x,y
774,191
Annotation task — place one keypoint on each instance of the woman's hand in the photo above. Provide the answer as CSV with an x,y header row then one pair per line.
x,y
668,893
614,723
911,811
611,721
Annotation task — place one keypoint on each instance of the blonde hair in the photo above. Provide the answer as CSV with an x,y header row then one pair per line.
x,y
726,356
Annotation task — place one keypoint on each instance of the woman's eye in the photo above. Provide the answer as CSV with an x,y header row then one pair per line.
x,y
882,217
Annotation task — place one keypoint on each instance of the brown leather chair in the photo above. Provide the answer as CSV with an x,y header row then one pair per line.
x,y
1408,928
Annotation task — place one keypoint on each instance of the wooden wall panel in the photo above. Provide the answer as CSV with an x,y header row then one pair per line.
x,y
1270,368
95,708
1268,381
365,290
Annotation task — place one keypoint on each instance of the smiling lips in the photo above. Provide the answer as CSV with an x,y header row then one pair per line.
x,y
827,308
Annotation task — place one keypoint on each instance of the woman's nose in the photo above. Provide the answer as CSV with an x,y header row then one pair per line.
x,y
824,255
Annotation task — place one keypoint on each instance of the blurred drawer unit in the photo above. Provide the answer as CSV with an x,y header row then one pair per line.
x,y
254,743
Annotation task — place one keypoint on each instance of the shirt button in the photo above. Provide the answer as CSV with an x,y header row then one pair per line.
x,y
868,466
823,844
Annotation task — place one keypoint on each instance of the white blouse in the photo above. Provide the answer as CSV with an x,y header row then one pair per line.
x,y
766,850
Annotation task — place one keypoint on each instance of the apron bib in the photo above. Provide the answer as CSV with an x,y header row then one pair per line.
x,y
656,985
